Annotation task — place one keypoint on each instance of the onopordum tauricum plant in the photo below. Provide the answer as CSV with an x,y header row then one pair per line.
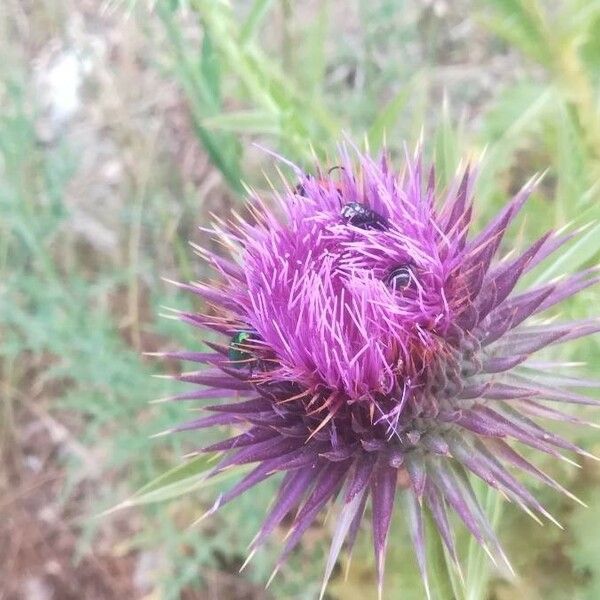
x,y
372,347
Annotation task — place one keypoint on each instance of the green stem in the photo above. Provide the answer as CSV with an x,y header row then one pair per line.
x,y
440,572
478,563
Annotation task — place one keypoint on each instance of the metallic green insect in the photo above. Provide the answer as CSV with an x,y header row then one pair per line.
x,y
240,347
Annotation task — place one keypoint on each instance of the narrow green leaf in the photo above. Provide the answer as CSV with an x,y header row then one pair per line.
x,y
518,113
478,571
444,583
523,24
245,121
189,468
210,68
575,256
202,86
315,61
386,119
179,481
256,15
269,88
571,159
446,147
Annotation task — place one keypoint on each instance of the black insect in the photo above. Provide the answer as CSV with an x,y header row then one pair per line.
x,y
299,190
400,278
361,216
322,183
326,185
354,213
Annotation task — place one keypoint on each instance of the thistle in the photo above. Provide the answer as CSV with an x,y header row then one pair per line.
x,y
373,348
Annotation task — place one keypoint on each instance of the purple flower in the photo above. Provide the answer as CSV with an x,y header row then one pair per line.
x,y
372,347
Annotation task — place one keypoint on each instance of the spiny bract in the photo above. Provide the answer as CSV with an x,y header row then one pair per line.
x,y
372,347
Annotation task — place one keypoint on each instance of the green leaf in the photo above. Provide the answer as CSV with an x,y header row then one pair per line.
x,y
189,468
523,24
446,146
190,476
507,127
315,62
202,86
245,121
256,15
574,256
478,571
584,550
268,87
210,70
582,18
444,582
590,42
571,159
386,119
508,107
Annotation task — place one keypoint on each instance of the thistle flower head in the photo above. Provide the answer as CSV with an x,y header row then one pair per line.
x,y
369,339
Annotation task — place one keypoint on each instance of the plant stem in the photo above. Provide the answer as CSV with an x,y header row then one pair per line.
x,y
442,581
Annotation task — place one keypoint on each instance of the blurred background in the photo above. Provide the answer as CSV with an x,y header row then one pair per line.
x,y
123,126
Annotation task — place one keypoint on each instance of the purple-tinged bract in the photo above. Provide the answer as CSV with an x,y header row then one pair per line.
x,y
373,347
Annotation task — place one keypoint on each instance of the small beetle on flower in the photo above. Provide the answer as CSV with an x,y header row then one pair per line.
x,y
373,347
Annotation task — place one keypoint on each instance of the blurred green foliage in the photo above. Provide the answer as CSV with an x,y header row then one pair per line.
x,y
75,327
